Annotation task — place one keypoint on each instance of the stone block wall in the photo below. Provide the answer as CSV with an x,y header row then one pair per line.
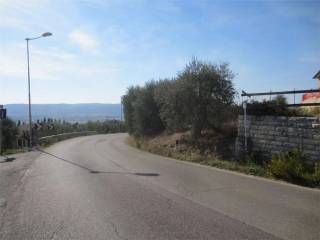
x,y
270,135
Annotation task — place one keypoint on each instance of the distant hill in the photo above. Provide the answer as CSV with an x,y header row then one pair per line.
x,y
70,112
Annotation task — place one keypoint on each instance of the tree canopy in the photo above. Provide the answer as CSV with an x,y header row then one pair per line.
x,y
199,97
9,133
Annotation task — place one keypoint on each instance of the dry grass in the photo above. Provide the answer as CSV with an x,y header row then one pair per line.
x,y
165,145
13,151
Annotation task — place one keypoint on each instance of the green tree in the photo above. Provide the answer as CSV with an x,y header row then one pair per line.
x,y
207,95
169,100
9,133
202,96
146,111
128,108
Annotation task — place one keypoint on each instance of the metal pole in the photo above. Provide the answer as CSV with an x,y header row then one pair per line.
x,y
121,112
270,96
0,136
282,92
245,127
46,34
2,116
29,94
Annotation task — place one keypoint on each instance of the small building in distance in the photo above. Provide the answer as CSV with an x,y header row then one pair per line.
x,y
313,97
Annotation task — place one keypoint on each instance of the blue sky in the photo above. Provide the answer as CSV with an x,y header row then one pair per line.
x,y
99,48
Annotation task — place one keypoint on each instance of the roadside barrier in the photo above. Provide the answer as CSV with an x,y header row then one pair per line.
x,y
62,136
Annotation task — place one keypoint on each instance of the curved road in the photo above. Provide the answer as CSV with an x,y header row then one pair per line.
x,y
97,187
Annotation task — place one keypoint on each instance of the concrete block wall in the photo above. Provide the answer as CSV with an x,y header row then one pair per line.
x,y
270,135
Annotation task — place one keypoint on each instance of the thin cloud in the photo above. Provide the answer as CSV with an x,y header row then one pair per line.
x,y
85,41
58,64
33,15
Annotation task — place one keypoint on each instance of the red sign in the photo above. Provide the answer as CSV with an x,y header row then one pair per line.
x,y
307,96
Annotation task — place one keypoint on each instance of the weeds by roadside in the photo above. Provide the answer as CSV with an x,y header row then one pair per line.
x,y
246,167
13,151
290,166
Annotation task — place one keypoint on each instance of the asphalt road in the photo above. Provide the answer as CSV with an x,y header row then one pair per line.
x,y
97,187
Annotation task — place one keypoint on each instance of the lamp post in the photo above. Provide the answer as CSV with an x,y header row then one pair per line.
x,y
46,34
3,113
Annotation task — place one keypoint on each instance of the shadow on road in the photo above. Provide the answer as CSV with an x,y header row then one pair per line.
x,y
7,159
97,171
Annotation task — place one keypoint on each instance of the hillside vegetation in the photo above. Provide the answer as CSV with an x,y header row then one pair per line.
x,y
193,117
199,98
15,135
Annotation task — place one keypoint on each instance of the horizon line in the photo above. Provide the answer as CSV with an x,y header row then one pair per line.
x,y
57,103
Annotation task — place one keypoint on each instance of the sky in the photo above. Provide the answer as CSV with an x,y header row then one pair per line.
x,y
101,47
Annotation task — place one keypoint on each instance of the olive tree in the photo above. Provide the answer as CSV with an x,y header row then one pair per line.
x,y
206,93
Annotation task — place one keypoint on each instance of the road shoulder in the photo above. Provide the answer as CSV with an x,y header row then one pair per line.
x,y
12,173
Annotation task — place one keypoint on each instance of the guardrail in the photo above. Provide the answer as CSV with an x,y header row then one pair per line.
x,y
63,136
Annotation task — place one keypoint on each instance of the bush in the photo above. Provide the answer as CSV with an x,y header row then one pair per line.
x,y
288,165
190,101
316,174
292,166
256,157
9,133
275,107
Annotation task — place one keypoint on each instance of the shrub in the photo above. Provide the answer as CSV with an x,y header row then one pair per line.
x,y
316,174
191,100
9,134
290,166
256,157
274,107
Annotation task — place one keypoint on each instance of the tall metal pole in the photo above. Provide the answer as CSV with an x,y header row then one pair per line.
x,y
46,34
29,94
2,116
245,127
0,136
121,111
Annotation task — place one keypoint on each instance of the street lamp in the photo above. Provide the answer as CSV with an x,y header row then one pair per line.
x,y
46,34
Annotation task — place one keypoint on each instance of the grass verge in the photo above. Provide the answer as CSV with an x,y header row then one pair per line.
x,y
269,170
209,160
12,151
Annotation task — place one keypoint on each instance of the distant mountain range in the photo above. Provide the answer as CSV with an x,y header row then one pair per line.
x,y
81,112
